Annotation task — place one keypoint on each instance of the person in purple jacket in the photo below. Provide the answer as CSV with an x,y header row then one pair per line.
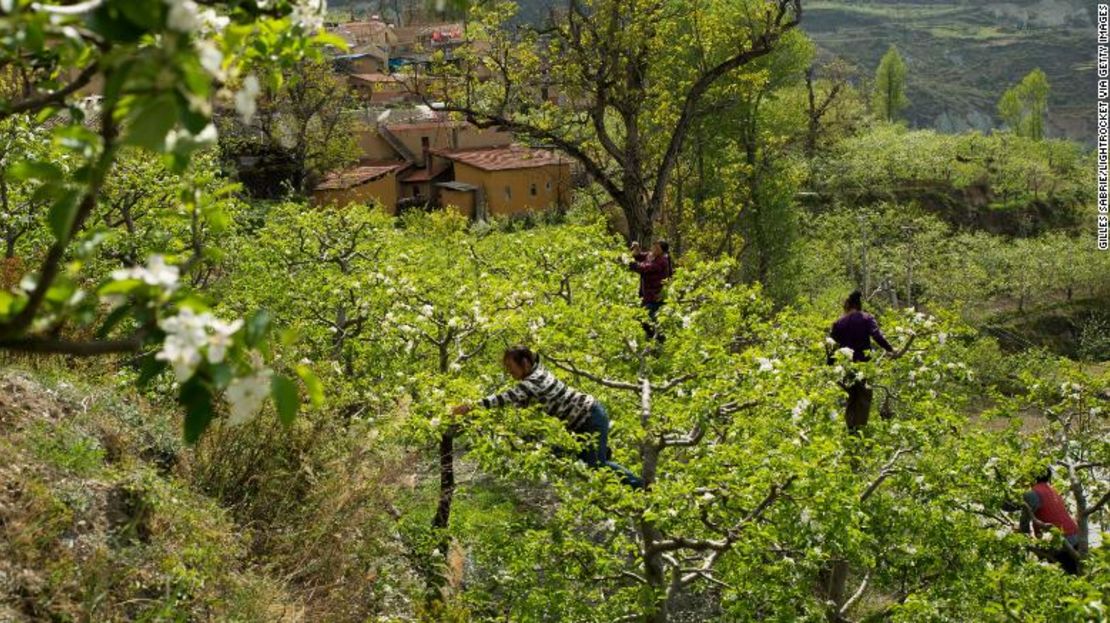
x,y
854,330
654,267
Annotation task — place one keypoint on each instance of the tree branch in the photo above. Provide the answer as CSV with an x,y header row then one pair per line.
x,y
573,369
886,471
54,97
47,346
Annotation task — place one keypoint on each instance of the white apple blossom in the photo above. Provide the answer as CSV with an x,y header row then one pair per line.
x,y
245,98
310,14
800,409
427,311
156,273
766,365
245,396
182,16
220,339
210,58
182,356
213,21
185,336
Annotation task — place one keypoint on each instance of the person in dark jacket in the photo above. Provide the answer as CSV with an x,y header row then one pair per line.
x,y
580,412
1044,509
854,330
654,268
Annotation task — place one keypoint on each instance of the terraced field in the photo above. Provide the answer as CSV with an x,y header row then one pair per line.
x,y
962,56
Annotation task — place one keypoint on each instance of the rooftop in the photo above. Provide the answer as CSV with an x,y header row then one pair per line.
x,y
504,158
463,186
349,178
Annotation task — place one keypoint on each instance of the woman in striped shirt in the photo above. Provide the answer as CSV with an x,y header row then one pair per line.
x,y
580,412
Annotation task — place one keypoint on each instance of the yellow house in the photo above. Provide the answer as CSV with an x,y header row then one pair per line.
x,y
379,88
508,180
361,184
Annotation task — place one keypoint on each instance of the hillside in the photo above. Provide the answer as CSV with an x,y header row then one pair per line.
x,y
962,56
96,522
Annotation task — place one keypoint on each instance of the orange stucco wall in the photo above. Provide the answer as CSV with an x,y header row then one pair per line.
x,y
461,200
518,198
383,190
374,147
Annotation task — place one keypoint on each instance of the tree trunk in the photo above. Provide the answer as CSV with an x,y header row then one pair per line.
x,y
833,582
641,227
435,581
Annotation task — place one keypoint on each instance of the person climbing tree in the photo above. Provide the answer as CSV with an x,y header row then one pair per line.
x,y
1044,509
654,267
854,330
580,412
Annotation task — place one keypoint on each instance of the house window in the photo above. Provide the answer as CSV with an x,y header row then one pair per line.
x,y
548,185
533,189
425,143
508,192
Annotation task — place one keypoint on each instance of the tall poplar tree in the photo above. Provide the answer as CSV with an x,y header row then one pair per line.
x,y
1024,106
889,97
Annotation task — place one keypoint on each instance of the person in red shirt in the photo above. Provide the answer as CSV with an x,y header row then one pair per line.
x,y
654,267
1044,509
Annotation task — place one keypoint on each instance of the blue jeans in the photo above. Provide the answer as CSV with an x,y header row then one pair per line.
x,y
597,454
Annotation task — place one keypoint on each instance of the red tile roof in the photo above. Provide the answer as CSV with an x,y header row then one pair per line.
x,y
349,178
504,158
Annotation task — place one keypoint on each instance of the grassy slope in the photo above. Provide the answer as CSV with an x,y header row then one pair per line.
x,y
961,57
97,525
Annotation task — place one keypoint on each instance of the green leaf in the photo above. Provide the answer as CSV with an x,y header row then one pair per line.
x,y
107,21
313,384
257,327
112,320
149,127
46,113
284,393
62,214
6,304
146,15
60,291
197,399
35,170
327,38
124,286
221,375
148,369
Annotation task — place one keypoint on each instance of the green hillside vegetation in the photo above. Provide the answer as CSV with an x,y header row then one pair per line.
x,y
222,401
98,518
961,56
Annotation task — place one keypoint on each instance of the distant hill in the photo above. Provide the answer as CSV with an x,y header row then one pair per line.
x,y
961,54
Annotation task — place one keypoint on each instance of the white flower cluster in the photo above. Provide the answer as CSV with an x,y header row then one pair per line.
x,y
183,15
245,98
245,396
187,334
1072,391
156,273
766,365
799,410
310,14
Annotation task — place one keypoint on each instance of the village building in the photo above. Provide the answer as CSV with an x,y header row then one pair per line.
x,y
425,158
367,183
